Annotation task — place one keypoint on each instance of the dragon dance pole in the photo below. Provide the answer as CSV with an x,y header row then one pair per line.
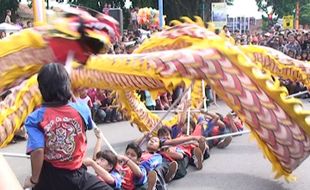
x,y
204,95
228,135
189,111
178,111
39,12
15,155
105,139
298,94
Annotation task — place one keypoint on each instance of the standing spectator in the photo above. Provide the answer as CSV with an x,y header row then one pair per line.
x,y
57,136
291,53
292,45
304,56
85,99
8,17
275,44
106,9
149,102
225,29
306,44
134,19
29,24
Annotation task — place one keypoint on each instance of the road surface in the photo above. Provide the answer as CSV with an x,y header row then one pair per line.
x,y
240,166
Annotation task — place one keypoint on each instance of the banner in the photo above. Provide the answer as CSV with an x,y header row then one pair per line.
x,y
219,14
288,22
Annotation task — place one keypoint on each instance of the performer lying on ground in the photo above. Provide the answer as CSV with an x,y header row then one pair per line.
x,y
191,149
104,163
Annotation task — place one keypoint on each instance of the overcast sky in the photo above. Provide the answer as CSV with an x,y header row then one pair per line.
x,y
244,8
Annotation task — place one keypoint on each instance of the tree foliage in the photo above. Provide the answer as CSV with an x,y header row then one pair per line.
x,y
173,9
279,8
305,14
98,4
8,5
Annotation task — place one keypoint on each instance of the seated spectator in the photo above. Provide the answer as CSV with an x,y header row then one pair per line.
x,y
165,101
97,97
159,105
109,108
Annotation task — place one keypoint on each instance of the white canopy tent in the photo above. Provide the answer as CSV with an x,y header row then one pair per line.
x,y
9,27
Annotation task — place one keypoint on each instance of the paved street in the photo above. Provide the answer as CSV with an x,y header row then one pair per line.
x,y
239,167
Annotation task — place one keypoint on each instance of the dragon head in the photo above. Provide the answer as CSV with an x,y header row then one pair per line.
x,y
84,32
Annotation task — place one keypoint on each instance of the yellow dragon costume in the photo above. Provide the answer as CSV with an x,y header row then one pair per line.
x,y
241,76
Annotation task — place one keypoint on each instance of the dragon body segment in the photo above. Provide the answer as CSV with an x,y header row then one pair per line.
x,y
183,53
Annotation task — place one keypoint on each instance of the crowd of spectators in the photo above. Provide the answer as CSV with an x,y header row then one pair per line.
x,y
293,43
19,23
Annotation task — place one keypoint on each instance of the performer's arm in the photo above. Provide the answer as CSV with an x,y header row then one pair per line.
x,y
37,158
98,145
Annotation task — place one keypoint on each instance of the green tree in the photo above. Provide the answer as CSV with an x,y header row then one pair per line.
x,y
98,4
174,9
279,8
305,14
8,5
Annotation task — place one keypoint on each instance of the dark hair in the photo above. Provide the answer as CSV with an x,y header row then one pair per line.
x,y
109,156
163,131
220,116
192,123
54,83
135,148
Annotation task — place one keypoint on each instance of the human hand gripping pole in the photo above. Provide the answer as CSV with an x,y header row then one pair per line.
x,y
99,134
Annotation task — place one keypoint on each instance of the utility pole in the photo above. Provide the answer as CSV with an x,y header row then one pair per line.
x,y
161,13
297,14
204,10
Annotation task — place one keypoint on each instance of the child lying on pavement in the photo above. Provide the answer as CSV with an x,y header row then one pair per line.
x,y
104,163
176,150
